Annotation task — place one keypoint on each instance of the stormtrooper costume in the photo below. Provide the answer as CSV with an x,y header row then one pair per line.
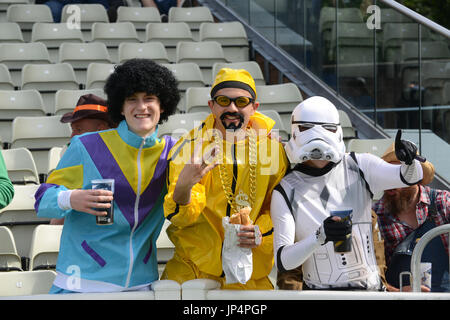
x,y
303,200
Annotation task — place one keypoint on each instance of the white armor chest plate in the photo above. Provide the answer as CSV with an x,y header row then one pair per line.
x,y
313,199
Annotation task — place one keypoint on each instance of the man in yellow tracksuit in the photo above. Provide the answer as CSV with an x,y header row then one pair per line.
x,y
227,163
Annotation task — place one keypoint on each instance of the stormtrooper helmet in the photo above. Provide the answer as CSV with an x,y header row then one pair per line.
x,y
316,133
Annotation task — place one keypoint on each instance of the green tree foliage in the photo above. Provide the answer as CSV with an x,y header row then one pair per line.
x,y
435,10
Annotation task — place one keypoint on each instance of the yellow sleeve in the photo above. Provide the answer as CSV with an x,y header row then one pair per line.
x,y
182,215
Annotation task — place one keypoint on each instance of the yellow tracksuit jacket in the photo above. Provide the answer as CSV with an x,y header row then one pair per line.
x,y
196,228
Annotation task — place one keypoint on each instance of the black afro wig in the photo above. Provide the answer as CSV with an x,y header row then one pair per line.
x,y
141,75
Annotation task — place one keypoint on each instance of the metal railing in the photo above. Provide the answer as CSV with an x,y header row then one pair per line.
x,y
418,250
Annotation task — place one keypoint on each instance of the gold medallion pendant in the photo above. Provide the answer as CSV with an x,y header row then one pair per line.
x,y
241,200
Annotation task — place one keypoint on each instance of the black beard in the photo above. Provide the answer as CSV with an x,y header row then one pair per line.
x,y
232,126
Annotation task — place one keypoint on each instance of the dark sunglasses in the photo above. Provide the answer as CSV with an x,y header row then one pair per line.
x,y
240,102
303,126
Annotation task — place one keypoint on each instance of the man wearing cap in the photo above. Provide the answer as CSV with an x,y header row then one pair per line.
x,y
90,114
246,166
406,214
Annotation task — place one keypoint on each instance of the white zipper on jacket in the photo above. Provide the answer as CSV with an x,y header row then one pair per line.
x,y
136,213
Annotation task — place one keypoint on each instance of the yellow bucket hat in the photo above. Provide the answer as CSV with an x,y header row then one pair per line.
x,y
427,167
234,78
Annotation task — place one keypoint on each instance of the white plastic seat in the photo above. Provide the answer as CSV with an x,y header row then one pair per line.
x,y
282,98
39,134
193,16
54,155
80,55
26,283
66,100
20,165
139,16
181,123
188,75
348,131
374,146
113,34
15,103
89,13
53,35
9,259
28,14
15,55
169,34
251,66
44,247
21,218
231,36
197,99
6,82
97,73
148,50
279,127
204,53
47,79
10,32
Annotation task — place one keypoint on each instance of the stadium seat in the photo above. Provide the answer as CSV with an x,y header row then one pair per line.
x,y
188,75
279,127
80,55
6,82
169,34
140,17
89,13
54,155
204,53
113,34
193,16
374,146
164,247
282,98
26,283
44,247
251,66
196,99
348,131
39,134
231,36
28,14
9,259
148,50
20,217
15,55
15,103
97,73
47,79
66,100
4,4
181,123
10,32
21,166
53,35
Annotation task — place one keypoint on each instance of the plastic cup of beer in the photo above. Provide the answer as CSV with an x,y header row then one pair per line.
x,y
105,184
425,271
342,246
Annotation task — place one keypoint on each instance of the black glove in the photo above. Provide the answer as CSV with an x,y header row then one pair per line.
x,y
336,230
405,151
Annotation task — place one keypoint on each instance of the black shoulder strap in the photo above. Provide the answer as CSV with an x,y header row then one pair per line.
x,y
352,154
280,189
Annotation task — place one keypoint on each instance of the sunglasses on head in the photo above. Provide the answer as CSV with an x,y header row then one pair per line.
x,y
240,102
303,126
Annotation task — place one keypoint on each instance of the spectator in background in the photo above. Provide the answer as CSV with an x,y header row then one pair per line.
x,y
89,115
163,6
56,6
406,214
120,256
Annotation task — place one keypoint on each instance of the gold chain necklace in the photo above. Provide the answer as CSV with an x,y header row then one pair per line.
x,y
225,178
